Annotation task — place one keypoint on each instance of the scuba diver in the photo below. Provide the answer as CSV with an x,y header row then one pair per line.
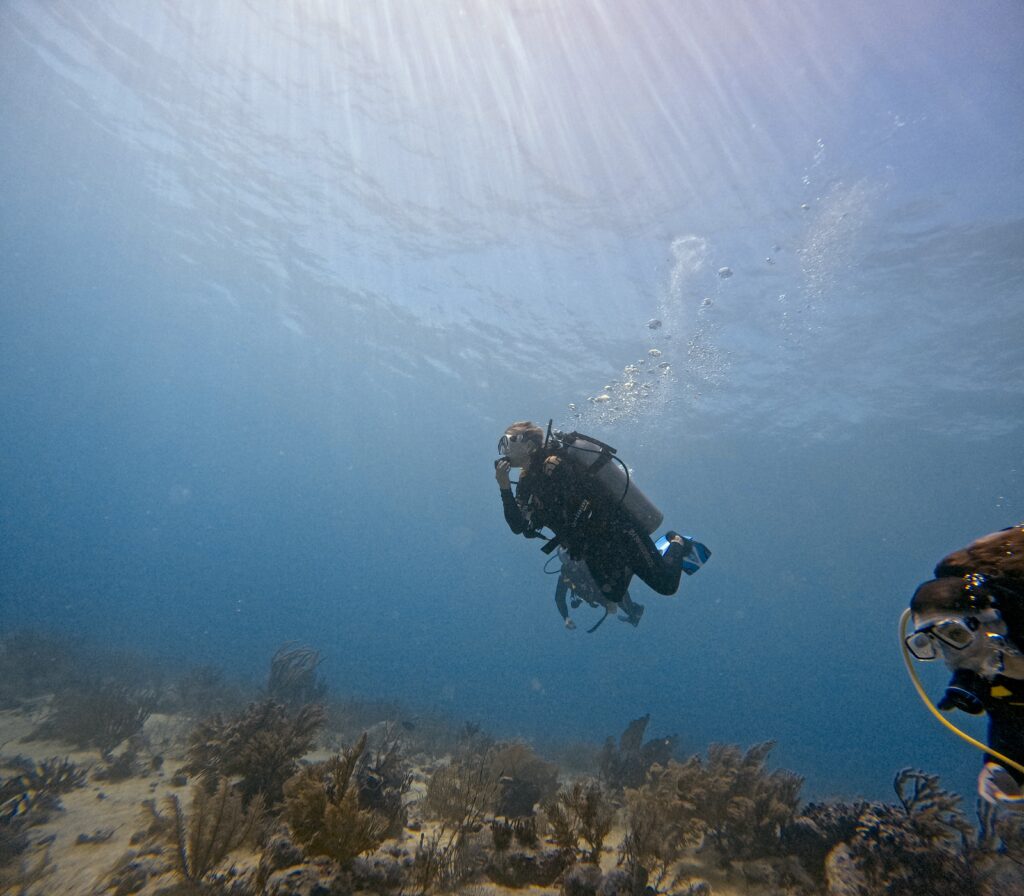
x,y
972,615
575,581
576,487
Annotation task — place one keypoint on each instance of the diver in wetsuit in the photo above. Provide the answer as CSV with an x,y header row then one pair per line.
x,y
554,492
972,615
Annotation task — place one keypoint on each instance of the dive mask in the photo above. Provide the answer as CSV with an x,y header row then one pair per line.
x,y
975,648
956,633
514,445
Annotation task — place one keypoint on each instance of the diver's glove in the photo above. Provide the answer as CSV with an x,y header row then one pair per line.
x,y
569,624
997,786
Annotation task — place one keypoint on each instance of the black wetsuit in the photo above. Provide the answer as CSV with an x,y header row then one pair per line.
x,y
1003,699
592,527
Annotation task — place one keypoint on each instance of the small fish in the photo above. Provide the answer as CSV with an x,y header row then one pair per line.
x,y
18,804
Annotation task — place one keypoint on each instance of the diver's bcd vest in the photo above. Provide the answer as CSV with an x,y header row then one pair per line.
x,y
599,461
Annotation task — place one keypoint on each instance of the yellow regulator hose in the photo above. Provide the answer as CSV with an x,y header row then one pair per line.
x,y
934,710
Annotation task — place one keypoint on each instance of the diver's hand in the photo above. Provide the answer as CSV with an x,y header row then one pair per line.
x,y
569,624
997,786
551,464
501,469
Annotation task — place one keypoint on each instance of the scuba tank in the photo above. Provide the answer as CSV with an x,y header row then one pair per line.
x,y
599,460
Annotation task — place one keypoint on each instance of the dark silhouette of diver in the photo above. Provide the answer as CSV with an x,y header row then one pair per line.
x,y
569,484
972,616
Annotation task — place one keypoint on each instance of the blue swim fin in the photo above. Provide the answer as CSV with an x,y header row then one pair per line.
x,y
695,557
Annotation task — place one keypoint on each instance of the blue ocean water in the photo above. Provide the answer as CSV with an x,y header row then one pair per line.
x,y
274,277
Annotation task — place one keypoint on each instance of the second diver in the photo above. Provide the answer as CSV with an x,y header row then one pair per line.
x,y
574,486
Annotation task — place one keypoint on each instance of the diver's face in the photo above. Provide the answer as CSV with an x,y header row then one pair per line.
x,y
975,642
517,448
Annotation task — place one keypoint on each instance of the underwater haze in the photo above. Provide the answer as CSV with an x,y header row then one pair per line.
x,y
275,276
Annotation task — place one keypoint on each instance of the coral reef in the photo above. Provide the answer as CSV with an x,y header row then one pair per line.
x,y
261,747
580,811
524,779
501,834
485,778
924,843
581,880
497,779
921,845
626,764
37,787
524,830
126,764
100,714
282,873
27,799
660,829
134,870
813,834
384,779
218,822
506,779
321,806
460,793
743,808
446,858
587,880
340,824
293,677
527,869
730,801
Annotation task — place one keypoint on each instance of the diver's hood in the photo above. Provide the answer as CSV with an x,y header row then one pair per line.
x,y
970,595
950,595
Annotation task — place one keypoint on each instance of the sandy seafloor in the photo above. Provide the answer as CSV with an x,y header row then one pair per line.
x,y
81,869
